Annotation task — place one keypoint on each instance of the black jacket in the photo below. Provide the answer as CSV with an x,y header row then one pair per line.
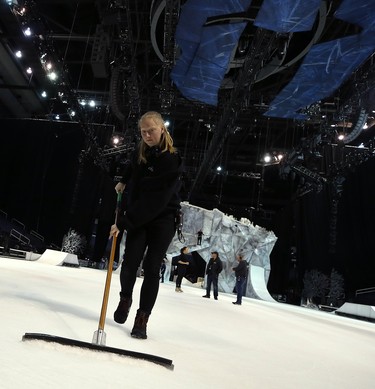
x,y
241,269
214,267
152,188
181,268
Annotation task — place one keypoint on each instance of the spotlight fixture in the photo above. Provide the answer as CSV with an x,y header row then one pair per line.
x,y
18,54
267,158
117,139
27,31
52,76
273,158
16,8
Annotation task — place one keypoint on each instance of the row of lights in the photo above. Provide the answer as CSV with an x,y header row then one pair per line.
x,y
49,68
267,159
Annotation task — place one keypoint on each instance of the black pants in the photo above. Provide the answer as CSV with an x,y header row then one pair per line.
x,y
162,272
240,288
212,279
155,237
180,275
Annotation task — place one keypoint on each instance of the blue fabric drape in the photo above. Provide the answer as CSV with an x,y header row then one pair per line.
x,y
323,70
287,15
205,50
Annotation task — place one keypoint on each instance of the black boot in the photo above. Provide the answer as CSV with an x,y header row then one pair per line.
x,y
140,324
122,311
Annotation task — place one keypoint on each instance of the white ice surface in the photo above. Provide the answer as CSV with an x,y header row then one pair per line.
x,y
213,344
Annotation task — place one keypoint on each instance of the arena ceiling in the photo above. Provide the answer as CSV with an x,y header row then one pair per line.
x,y
121,54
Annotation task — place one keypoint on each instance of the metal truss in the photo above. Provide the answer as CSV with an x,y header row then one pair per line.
x,y
258,52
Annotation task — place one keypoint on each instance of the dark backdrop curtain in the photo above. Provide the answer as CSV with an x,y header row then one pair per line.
x,y
38,178
356,228
305,223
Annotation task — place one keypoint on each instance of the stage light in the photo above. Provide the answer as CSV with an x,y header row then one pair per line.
x,y
44,94
29,70
219,168
19,54
57,117
62,97
17,8
267,158
92,103
117,139
27,31
273,158
341,137
52,76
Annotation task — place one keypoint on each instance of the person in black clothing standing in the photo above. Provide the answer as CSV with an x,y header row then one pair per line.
x,y
199,237
241,273
153,180
182,264
163,268
214,268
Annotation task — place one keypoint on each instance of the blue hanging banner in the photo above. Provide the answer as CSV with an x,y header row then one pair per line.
x,y
286,16
323,70
205,50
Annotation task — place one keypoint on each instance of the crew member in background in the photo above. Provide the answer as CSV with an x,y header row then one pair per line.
x,y
182,264
213,269
241,275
